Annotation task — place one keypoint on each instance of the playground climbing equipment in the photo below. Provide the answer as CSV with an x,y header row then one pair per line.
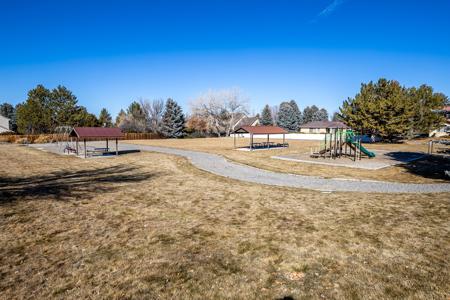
x,y
341,143
65,143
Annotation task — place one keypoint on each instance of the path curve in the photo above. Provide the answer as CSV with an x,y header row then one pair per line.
x,y
218,165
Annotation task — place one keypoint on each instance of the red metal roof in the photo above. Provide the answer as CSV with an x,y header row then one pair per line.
x,y
96,132
261,130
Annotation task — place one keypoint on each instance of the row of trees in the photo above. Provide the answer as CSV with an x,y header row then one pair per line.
x,y
385,108
46,109
166,119
393,111
289,116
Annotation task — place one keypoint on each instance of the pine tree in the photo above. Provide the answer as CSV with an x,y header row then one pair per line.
x,y
34,115
321,115
62,106
382,108
266,118
297,114
336,117
310,114
287,117
104,118
425,102
120,117
173,122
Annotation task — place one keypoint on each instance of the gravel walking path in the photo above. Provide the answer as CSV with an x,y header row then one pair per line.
x,y
219,165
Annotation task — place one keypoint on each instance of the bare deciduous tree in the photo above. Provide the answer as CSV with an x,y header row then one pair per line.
x,y
153,113
274,110
220,109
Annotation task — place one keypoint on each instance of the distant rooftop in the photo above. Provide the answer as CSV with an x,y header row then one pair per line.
x,y
325,124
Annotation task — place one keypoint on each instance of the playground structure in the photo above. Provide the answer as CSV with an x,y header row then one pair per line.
x,y
63,139
341,143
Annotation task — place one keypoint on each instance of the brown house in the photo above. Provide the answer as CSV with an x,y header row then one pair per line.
x,y
246,121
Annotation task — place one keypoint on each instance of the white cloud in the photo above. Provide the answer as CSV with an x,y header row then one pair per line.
x,y
329,9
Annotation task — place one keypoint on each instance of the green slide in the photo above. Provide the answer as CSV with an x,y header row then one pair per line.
x,y
349,139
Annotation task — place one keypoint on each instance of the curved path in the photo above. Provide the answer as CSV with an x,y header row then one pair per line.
x,y
220,166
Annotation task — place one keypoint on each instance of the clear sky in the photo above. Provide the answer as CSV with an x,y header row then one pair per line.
x,y
110,53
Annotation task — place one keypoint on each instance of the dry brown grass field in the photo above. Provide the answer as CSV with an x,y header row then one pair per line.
x,y
148,226
423,171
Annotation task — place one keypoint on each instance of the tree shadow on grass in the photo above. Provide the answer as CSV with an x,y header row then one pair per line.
x,y
69,185
427,166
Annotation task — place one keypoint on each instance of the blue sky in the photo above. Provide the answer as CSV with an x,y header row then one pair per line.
x,y
110,53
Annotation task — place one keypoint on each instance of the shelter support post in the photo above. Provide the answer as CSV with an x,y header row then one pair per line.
x,y
85,150
107,147
117,147
267,141
284,139
77,146
251,141
234,140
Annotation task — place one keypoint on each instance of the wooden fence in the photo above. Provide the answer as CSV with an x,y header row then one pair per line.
x,y
141,136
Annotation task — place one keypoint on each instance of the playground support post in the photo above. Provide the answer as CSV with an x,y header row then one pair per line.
x,y
331,145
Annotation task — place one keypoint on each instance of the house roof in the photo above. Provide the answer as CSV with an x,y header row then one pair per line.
x,y
245,121
96,132
325,124
261,130
3,117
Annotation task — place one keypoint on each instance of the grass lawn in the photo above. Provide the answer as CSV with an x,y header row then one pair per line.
x,y
427,170
148,225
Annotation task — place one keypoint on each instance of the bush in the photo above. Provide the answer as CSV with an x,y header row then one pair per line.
x,y
41,139
22,140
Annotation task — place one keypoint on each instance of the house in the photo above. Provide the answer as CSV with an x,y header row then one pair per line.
x,y
444,130
246,121
321,126
4,124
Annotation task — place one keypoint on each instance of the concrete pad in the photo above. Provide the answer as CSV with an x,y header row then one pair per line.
x,y
382,160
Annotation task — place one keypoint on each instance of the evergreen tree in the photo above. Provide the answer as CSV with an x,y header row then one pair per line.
x,y
83,118
120,117
425,101
9,111
297,114
336,117
382,108
287,117
62,106
321,115
173,122
310,114
104,118
266,118
34,115
136,119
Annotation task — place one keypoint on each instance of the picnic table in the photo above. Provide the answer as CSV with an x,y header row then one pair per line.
x,y
99,150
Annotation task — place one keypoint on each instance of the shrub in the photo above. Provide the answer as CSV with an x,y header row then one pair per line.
x,y
22,140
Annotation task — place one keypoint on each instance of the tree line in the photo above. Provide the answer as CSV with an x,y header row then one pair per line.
x,y
289,116
384,108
